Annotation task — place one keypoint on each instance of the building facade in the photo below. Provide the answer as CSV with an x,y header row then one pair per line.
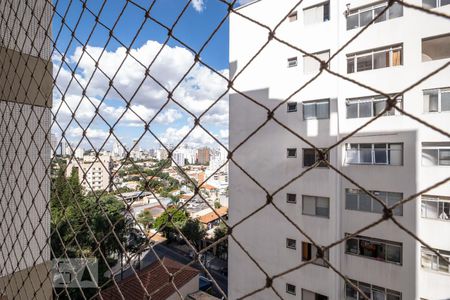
x,y
94,173
25,149
394,157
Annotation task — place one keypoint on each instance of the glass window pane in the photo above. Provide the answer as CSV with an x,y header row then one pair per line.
x,y
376,206
313,15
351,199
429,157
309,111
395,11
393,295
365,109
307,295
351,246
380,153
352,21
445,100
352,110
326,11
365,288
365,17
292,106
323,207
444,157
394,198
309,205
365,153
309,157
323,109
377,11
381,60
429,3
443,265
378,293
395,154
350,65
445,213
364,63
371,249
350,292
430,209
393,253
433,100
427,259
365,202
445,2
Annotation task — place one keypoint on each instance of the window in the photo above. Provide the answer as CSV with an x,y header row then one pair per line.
x,y
293,16
435,154
437,47
360,201
436,100
363,16
317,14
292,62
374,154
368,107
309,251
434,3
432,261
291,106
291,244
291,198
292,152
316,206
312,65
308,295
375,59
436,207
290,289
318,109
381,250
370,291
310,157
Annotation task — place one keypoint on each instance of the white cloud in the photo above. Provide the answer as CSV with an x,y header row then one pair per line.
x,y
77,132
197,138
242,2
198,5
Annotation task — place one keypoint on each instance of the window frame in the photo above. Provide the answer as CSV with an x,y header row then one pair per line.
x,y
289,109
372,8
386,49
396,212
316,54
290,201
291,156
315,103
291,243
293,16
440,91
293,290
386,291
316,198
292,62
438,4
439,200
385,244
372,100
318,262
324,20
373,154
435,259
316,156
425,39
316,295
438,149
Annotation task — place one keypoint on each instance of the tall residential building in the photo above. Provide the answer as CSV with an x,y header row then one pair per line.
x,y
203,156
25,149
94,173
393,157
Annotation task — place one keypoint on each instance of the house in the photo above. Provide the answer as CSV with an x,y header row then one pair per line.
x,y
213,218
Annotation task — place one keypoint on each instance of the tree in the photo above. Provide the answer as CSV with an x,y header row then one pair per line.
x,y
145,218
194,231
217,205
178,218
222,247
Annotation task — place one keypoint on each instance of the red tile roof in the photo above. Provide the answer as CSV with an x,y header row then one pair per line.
x,y
212,216
155,280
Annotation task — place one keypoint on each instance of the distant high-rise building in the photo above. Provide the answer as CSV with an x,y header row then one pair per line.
x,y
94,173
393,157
118,150
203,155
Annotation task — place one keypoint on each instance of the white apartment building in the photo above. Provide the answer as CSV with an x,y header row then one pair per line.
x,y
94,173
394,157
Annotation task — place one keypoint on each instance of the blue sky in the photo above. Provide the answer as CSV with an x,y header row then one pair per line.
x,y
196,92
